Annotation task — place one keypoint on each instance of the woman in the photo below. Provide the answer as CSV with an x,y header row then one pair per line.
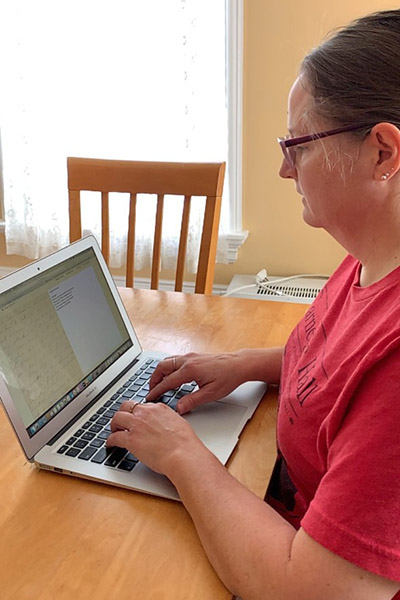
x,y
330,526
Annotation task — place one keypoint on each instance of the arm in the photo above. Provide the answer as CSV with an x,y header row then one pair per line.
x,y
215,374
256,553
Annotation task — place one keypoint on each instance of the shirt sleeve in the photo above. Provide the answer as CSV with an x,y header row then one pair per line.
x,y
355,511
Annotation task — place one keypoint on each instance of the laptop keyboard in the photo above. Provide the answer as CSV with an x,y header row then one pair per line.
x,y
88,441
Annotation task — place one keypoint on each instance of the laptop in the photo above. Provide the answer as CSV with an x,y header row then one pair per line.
x,y
69,357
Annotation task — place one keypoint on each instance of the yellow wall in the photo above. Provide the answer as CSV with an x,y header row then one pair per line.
x,y
276,37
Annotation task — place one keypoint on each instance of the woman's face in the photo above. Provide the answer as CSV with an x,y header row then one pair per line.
x,y
322,172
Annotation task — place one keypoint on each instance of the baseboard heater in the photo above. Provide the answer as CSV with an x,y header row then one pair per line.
x,y
302,290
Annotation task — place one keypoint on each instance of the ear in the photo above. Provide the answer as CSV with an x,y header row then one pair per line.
x,y
385,139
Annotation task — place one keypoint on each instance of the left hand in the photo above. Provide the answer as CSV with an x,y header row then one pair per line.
x,y
154,433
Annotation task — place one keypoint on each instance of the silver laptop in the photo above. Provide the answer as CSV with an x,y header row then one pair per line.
x,y
69,357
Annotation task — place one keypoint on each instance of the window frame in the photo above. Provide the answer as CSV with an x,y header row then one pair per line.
x,y
234,52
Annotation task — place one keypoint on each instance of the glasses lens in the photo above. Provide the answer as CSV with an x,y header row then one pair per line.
x,y
289,153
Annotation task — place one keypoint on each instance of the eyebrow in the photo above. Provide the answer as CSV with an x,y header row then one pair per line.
x,y
292,133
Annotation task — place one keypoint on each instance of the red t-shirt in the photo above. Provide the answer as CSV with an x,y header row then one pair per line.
x,y
338,469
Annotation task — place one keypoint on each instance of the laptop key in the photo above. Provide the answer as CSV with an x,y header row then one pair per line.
x,y
172,403
127,465
103,435
131,457
87,453
188,387
102,421
96,428
115,457
62,449
73,452
71,441
101,455
97,443
80,444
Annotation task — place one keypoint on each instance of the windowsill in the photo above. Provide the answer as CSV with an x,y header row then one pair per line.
x,y
235,240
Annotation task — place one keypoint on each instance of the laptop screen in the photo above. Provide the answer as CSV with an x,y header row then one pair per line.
x,y
59,331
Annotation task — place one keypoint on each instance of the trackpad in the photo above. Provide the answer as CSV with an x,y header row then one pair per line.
x,y
218,425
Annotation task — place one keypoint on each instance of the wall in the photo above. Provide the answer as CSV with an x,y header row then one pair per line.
x,y
276,37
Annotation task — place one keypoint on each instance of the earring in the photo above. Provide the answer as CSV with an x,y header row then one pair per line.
x,y
385,176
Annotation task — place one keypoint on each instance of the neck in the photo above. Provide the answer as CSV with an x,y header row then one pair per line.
x,y
378,259
377,249
372,272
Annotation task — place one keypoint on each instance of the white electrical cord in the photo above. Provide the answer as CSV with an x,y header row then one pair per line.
x,y
261,280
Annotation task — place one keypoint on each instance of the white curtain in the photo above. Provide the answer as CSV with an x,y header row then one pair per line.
x,y
124,79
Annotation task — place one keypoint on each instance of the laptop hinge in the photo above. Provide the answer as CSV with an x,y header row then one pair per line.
x,y
91,403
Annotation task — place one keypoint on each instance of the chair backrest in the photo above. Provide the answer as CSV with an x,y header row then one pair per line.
x,y
182,179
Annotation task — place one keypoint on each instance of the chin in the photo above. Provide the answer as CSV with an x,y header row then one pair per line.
x,y
310,219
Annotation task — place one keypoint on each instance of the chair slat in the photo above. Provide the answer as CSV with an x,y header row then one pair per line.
x,y
155,267
75,227
208,246
105,226
180,265
130,253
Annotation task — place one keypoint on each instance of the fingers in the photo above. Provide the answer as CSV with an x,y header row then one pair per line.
x,y
168,375
122,423
124,418
189,402
118,438
168,383
164,368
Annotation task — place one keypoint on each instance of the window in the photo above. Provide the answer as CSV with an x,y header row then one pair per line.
x,y
127,79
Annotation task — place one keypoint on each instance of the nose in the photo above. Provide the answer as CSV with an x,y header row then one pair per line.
x,y
287,171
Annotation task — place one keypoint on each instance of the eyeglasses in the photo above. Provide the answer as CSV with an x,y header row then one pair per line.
x,y
287,143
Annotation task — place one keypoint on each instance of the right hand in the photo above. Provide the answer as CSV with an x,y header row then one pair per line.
x,y
215,374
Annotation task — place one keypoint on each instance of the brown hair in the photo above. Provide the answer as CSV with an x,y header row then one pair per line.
x,y
354,76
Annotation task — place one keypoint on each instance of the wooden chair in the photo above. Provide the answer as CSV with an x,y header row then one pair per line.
x,y
183,179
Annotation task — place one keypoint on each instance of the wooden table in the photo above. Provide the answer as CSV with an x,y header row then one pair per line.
x,y
63,538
